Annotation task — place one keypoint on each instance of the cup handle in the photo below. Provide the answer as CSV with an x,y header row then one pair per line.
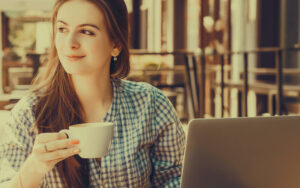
x,y
67,132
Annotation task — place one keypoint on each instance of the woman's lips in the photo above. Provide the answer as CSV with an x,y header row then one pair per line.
x,y
74,57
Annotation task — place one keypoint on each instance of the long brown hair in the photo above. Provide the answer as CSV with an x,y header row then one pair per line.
x,y
58,106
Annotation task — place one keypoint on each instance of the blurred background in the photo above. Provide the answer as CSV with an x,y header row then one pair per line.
x,y
212,58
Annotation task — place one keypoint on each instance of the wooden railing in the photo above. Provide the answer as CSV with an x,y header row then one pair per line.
x,y
190,57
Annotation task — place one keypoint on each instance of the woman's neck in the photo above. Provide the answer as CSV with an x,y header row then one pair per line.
x,y
93,91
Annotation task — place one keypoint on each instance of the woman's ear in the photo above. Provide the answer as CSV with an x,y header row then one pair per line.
x,y
115,52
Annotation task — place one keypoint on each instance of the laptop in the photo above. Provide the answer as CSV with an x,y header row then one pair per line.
x,y
259,152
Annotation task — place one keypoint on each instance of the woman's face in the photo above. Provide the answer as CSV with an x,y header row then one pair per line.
x,y
81,39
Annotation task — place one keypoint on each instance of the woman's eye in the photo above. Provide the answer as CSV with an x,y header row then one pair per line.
x,y
86,32
62,29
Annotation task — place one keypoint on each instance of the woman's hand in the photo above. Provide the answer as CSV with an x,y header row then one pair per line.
x,y
49,149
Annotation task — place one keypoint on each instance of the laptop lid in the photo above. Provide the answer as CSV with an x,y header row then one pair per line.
x,y
259,152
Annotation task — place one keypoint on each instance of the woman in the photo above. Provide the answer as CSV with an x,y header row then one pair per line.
x,y
82,83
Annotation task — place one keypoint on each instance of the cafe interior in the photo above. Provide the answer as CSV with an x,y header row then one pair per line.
x,y
211,58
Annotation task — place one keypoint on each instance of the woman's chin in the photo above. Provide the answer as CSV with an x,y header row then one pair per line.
x,y
77,72
75,69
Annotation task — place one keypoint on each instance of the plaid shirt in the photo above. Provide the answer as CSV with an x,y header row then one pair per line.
x,y
146,151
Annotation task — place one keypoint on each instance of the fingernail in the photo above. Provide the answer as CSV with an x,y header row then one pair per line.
x,y
75,141
76,150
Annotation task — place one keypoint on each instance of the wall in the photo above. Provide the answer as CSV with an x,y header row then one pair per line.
x,y
1,91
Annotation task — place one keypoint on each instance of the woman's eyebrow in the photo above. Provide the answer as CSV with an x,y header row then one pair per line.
x,y
81,25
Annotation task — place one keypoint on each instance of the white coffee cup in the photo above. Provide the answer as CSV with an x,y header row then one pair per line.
x,y
94,138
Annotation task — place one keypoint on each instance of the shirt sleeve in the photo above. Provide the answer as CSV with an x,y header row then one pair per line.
x,y
15,143
168,149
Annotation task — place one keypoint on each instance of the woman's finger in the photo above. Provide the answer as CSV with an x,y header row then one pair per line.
x,y
61,144
58,154
54,162
55,145
47,137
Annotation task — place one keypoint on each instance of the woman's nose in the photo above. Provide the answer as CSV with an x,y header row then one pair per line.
x,y
73,42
